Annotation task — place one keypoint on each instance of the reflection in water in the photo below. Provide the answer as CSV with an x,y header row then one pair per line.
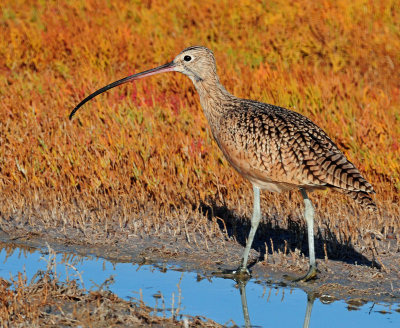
x,y
241,283
172,292
243,298
310,303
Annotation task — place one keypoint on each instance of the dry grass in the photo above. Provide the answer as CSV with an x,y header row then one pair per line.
x,y
141,158
46,301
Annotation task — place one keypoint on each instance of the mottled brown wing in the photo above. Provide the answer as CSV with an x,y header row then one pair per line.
x,y
283,146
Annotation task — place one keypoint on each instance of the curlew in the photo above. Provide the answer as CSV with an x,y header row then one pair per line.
x,y
276,149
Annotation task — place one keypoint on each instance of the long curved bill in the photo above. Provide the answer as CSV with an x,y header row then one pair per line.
x,y
161,69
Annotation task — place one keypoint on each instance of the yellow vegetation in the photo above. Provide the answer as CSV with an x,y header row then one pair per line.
x,y
143,151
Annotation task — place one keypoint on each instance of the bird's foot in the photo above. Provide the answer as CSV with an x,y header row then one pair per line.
x,y
242,274
310,275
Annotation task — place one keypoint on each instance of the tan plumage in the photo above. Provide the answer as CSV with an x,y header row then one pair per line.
x,y
274,148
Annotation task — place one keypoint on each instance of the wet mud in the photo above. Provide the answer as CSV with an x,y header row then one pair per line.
x,y
357,279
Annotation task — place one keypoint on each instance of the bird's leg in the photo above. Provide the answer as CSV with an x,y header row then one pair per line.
x,y
255,220
309,216
242,272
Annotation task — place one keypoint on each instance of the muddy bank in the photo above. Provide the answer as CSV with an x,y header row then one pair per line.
x,y
373,280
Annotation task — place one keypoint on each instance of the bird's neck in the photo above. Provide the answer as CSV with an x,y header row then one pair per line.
x,y
214,99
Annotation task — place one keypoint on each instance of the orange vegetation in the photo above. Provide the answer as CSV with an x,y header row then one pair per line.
x,y
141,155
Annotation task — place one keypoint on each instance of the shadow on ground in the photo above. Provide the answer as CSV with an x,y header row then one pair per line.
x,y
270,237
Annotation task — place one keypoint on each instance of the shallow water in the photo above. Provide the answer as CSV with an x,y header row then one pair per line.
x,y
170,291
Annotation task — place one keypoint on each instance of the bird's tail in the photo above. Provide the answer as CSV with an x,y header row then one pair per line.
x,y
362,198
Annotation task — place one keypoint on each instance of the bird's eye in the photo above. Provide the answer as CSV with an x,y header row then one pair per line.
x,y
187,58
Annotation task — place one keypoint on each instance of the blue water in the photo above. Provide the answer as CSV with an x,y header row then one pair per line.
x,y
182,293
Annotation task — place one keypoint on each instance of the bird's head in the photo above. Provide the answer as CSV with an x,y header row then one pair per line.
x,y
198,63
